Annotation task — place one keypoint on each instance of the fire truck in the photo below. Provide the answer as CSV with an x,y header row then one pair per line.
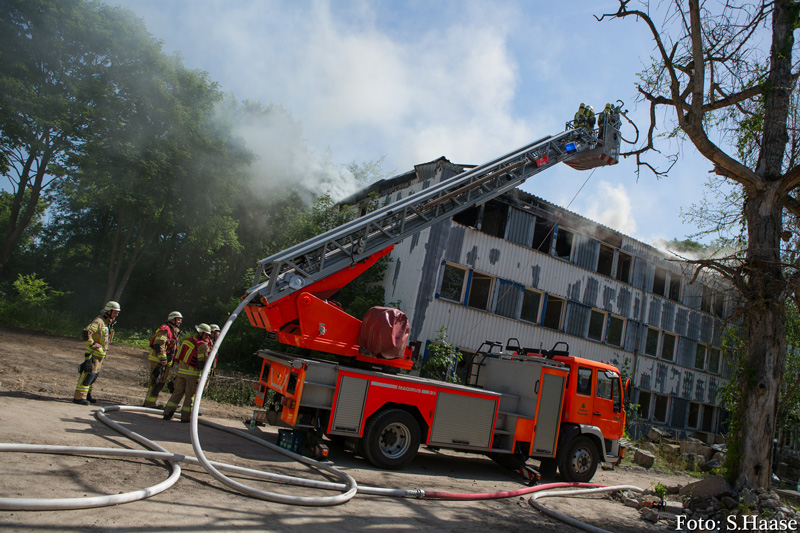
x,y
517,402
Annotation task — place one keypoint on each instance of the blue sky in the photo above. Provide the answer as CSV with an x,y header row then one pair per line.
x,y
416,80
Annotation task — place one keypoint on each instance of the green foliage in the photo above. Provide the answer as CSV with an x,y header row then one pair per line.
x,y
442,359
232,388
34,305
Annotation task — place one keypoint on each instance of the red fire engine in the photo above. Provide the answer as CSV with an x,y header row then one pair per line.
x,y
563,410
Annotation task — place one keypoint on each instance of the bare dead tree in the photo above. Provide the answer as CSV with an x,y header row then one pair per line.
x,y
726,71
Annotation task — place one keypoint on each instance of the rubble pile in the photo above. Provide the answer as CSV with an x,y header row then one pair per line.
x,y
711,500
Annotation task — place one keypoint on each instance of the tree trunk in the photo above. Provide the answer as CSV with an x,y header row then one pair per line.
x,y
760,378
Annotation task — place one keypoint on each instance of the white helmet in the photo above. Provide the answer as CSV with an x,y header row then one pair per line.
x,y
173,315
203,328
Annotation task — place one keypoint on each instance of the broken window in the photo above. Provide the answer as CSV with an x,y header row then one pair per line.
x,y
719,305
668,347
530,306
616,330
605,260
597,322
694,415
713,360
495,215
651,342
468,218
660,411
542,235
553,310
480,288
708,418
675,288
644,404
564,240
624,264
705,302
452,283
660,281
700,357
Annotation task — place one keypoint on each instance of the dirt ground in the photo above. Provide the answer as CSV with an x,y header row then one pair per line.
x,y
37,379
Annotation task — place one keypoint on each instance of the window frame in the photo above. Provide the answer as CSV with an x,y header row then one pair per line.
x,y
463,282
705,356
649,403
658,341
664,335
618,269
545,306
538,307
592,313
662,282
557,242
718,370
613,252
666,400
624,323
471,286
697,415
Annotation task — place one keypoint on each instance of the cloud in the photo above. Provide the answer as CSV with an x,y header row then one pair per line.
x,y
611,205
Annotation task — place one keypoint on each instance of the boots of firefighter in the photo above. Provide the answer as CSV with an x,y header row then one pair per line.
x,y
81,402
90,399
168,414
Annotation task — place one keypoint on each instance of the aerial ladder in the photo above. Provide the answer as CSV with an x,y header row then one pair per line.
x,y
294,287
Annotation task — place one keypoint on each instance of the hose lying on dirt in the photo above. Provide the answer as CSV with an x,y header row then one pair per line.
x,y
569,520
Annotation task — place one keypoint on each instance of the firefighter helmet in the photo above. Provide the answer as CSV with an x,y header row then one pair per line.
x,y
582,105
203,328
173,315
111,306
214,327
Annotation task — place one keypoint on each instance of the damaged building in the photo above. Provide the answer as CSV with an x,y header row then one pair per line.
x,y
520,267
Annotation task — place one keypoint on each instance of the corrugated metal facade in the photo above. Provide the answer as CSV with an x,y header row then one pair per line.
x,y
513,271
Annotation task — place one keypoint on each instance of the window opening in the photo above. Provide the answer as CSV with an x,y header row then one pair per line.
x,y
694,415
605,260
700,357
713,360
616,328
644,405
675,288
668,347
479,291
597,323
553,310
660,411
564,240
604,386
495,216
624,263
530,306
660,281
651,342
542,235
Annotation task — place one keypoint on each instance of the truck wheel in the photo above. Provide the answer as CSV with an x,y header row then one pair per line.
x,y
391,439
579,463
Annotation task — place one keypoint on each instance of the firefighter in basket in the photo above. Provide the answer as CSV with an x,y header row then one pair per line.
x,y
191,359
97,337
163,346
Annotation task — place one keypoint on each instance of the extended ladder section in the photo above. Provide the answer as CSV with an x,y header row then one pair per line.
x,y
291,298
316,259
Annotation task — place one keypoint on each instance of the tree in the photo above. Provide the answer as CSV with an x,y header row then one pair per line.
x,y
711,72
54,75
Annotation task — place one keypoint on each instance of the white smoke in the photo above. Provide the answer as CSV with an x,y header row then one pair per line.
x,y
611,206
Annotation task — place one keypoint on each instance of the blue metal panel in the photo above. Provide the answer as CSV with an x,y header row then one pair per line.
x,y
668,316
679,407
520,226
508,298
686,352
586,250
577,319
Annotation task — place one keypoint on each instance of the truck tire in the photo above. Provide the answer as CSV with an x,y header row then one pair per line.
x,y
579,462
391,439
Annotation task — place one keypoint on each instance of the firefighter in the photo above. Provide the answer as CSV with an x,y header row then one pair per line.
x,y
590,118
97,337
580,116
215,331
605,118
191,359
163,346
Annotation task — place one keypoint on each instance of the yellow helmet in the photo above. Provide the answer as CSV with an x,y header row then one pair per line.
x,y
203,328
582,105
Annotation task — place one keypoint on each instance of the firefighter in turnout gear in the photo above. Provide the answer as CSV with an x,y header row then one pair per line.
x,y
163,347
215,332
191,359
580,117
97,337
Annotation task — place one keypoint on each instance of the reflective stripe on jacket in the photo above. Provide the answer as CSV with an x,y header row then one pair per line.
x,y
98,332
164,339
193,352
